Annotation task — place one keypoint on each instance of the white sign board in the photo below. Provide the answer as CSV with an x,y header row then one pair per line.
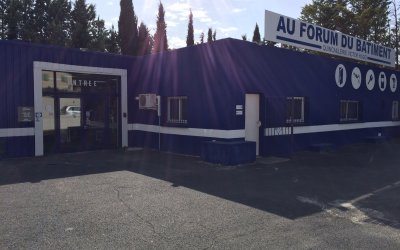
x,y
283,29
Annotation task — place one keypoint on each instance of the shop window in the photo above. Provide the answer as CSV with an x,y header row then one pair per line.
x,y
295,110
177,109
47,80
349,110
395,110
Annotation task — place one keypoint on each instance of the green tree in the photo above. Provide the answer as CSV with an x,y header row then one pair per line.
x,y
27,30
145,41
202,38
331,14
244,37
82,17
3,13
40,20
128,30
59,22
190,35
214,36
209,35
371,19
256,35
112,45
98,34
160,36
13,19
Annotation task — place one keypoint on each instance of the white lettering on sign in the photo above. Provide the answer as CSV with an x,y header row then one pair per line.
x,y
85,83
283,29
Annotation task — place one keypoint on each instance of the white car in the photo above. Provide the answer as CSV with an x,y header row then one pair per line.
x,y
72,110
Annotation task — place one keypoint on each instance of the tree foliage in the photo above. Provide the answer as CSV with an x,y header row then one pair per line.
x,y
83,16
145,40
59,22
367,19
128,30
160,36
190,35
209,35
112,45
256,34
202,38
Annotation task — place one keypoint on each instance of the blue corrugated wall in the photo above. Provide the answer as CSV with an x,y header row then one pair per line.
x,y
215,77
16,82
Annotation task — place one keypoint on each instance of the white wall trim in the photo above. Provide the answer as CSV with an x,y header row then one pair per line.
x,y
16,132
38,67
197,132
335,127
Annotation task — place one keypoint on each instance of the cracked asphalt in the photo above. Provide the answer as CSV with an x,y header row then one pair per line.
x,y
346,199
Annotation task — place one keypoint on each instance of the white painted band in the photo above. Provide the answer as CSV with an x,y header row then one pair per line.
x,y
15,132
333,127
198,132
240,133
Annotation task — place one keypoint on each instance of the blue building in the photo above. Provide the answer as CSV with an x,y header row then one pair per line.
x,y
60,100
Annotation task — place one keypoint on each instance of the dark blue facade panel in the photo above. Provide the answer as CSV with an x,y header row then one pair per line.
x,y
190,145
17,146
16,70
285,145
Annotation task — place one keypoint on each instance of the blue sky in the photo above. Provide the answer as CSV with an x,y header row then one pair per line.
x,y
231,18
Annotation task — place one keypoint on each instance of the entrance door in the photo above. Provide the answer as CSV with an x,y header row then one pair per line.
x,y
252,122
70,122
95,126
82,123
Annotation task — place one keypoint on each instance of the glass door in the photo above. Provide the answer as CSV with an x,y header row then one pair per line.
x,y
94,122
70,124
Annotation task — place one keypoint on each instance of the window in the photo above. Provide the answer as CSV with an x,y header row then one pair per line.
x,y
177,109
349,110
395,110
295,110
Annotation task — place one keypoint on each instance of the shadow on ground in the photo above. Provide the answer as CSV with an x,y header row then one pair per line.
x,y
308,183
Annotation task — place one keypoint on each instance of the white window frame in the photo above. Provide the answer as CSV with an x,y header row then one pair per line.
x,y
346,118
180,120
395,110
290,119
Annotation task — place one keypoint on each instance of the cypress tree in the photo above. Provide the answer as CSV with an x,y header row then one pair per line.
x,y
256,35
128,30
160,36
214,36
190,35
144,40
209,35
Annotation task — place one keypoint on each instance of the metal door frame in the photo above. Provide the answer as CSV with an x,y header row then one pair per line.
x,y
38,67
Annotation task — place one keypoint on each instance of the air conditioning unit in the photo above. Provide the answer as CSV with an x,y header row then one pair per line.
x,y
147,101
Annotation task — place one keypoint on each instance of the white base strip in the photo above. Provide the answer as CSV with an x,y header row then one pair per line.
x,y
14,132
331,127
198,132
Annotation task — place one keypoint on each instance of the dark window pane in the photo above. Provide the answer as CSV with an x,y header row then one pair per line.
x,y
352,110
174,109
184,109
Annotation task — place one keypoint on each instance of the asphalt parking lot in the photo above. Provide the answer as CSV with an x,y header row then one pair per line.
x,y
346,199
